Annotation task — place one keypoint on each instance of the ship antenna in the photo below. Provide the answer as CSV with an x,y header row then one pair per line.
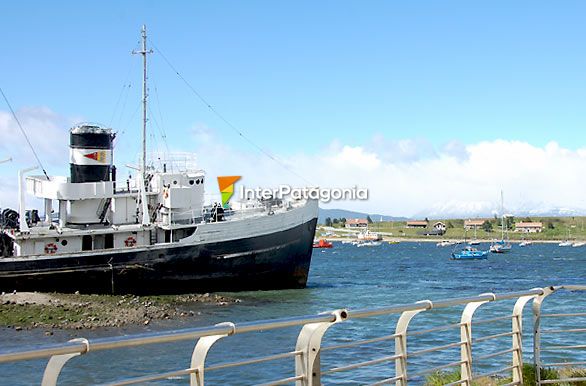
x,y
143,182
144,53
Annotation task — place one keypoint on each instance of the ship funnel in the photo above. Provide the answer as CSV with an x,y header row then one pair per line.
x,y
90,157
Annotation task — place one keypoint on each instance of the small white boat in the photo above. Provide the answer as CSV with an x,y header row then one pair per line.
x,y
445,243
579,244
367,235
525,243
566,242
369,244
474,242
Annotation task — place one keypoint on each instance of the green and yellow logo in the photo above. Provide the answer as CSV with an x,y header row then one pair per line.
x,y
226,184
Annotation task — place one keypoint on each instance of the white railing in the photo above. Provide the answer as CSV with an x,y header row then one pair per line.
x,y
409,364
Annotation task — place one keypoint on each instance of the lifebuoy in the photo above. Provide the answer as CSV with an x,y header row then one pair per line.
x,y
51,248
130,241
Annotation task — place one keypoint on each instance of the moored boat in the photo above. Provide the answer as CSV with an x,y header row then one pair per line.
x,y
323,243
503,245
369,244
150,234
367,235
500,246
470,253
445,243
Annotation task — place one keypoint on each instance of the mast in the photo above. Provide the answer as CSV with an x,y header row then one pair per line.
x,y
502,217
143,182
144,53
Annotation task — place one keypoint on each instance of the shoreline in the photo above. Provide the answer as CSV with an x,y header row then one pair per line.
x,y
437,240
30,310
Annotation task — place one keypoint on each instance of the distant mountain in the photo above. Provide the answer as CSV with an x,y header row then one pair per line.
x,y
339,213
482,209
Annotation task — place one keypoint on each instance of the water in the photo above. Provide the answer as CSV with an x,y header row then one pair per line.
x,y
343,277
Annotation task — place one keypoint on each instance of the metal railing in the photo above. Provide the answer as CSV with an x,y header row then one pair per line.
x,y
308,350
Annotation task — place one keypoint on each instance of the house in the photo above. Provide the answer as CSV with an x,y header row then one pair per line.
x,y
356,223
473,224
417,224
528,227
440,226
431,232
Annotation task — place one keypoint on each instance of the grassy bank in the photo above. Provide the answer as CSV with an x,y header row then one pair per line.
x,y
529,377
554,228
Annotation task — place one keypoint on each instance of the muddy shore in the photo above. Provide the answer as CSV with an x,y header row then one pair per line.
x,y
26,310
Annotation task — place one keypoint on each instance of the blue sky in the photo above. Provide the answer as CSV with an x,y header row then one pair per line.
x,y
298,76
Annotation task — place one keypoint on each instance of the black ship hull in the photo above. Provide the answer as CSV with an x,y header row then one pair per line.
x,y
277,260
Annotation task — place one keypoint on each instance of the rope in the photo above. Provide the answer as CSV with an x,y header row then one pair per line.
x,y
233,127
24,134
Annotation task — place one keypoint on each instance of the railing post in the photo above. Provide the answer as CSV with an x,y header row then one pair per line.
x,y
517,337
200,352
537,331
466,338
307,365
56,363
401,342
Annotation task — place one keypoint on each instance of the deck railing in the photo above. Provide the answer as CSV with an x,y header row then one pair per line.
x,y
307,354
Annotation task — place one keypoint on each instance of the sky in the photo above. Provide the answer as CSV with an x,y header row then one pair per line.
x,y
434,106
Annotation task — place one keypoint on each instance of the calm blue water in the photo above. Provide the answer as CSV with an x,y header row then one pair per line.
x,y
344,277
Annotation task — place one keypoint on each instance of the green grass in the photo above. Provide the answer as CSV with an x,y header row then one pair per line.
x,y
555,228
32,314
529,379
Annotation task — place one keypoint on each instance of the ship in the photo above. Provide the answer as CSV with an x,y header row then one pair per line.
x,y
151,234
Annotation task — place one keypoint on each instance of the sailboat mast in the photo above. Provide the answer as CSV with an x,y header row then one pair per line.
x,y
502,217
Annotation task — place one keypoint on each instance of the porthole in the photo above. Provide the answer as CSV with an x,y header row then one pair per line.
x,y
191,182
197,181
175,182
64,242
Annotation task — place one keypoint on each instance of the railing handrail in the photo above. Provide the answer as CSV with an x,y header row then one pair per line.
x,y
306,354
239,328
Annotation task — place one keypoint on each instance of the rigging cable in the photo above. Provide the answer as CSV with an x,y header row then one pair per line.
x,y
25,136
125,86
233,127
162,125
153,117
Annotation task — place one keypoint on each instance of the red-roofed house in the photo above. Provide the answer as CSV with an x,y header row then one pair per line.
x,y
417,224
473,224
528,227
356,223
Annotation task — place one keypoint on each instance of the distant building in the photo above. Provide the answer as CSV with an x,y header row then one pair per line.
x,y
417,224
440,226
356,223
473,224
437,229
528,227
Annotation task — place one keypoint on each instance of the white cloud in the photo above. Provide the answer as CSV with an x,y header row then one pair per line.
x,y
406,177
457,179
47,132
